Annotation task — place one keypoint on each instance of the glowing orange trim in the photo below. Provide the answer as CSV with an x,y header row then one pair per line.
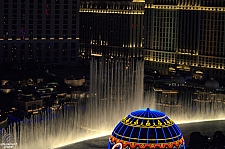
x,y
144,145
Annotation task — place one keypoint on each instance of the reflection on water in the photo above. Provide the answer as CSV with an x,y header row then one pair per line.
x,y
205,128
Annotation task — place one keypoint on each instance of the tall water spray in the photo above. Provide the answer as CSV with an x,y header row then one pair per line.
x,y
206,108
116,89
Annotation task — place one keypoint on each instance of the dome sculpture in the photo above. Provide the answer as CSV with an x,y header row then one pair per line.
x,y
211,84
146,129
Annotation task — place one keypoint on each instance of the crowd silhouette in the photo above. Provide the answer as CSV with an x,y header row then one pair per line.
x,y
199,141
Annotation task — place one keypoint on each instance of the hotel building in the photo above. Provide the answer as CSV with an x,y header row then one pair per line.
x,y
39,31
171,35
175,35
186,35
111,28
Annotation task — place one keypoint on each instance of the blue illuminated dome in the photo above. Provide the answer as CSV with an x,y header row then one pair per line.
x,y
145,129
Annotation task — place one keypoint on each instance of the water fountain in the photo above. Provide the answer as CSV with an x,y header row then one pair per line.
x,y
116,89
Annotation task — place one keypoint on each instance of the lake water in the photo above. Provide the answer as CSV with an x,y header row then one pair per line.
x,y
207,128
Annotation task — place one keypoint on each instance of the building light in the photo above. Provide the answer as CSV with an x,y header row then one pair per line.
x,y
121,11
92,54
186,7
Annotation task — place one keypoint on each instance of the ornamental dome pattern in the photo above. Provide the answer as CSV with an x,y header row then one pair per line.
x,y
146,129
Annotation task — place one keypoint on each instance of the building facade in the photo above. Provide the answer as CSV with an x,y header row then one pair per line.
x,y
186,34
39,31
111,28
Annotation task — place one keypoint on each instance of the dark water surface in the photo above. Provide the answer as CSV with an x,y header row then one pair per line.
x,y
205,128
